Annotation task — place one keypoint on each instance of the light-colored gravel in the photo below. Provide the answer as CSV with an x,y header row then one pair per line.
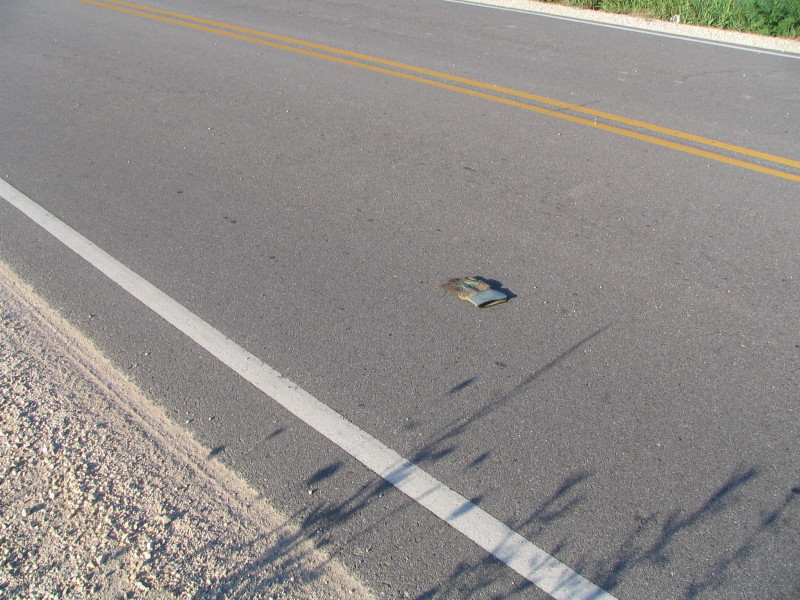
x,y
635,22
101,496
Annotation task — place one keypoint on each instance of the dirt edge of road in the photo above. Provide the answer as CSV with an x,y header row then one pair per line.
x,y
102,496
699,32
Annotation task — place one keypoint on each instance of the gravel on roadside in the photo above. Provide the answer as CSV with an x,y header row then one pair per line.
x,y
712,34
102,496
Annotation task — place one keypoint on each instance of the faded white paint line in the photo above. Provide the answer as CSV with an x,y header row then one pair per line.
x,y
530,561
784,47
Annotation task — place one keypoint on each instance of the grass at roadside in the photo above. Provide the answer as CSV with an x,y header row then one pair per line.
x,y
766,17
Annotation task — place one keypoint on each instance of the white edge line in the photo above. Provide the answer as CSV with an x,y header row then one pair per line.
x,y
521,555
630,28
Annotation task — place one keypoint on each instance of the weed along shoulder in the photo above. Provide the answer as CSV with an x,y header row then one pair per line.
x,y
476,290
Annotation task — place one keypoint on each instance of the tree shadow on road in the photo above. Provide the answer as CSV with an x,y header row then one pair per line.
x,y
650,543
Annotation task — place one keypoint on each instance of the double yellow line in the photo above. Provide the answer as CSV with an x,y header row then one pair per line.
x,y
661,136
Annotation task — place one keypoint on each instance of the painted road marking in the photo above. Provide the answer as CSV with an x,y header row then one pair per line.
x,y
531,562
439,79
601,19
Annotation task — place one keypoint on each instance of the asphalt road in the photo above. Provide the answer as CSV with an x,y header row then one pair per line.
x,y
632,411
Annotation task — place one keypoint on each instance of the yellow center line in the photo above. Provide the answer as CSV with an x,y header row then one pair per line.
x,y
478,84
319,51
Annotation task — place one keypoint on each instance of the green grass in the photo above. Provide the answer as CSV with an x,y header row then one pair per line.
x,y
766,17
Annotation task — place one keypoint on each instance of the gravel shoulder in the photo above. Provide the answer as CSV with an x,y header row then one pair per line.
x,y
102,496
711,34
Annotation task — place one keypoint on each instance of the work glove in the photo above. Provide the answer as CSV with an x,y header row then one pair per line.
x,y
476,291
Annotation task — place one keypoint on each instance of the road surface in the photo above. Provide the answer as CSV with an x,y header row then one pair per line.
x,y
299,178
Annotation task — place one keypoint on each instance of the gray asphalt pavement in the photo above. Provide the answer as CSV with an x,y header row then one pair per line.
x,y
633,410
